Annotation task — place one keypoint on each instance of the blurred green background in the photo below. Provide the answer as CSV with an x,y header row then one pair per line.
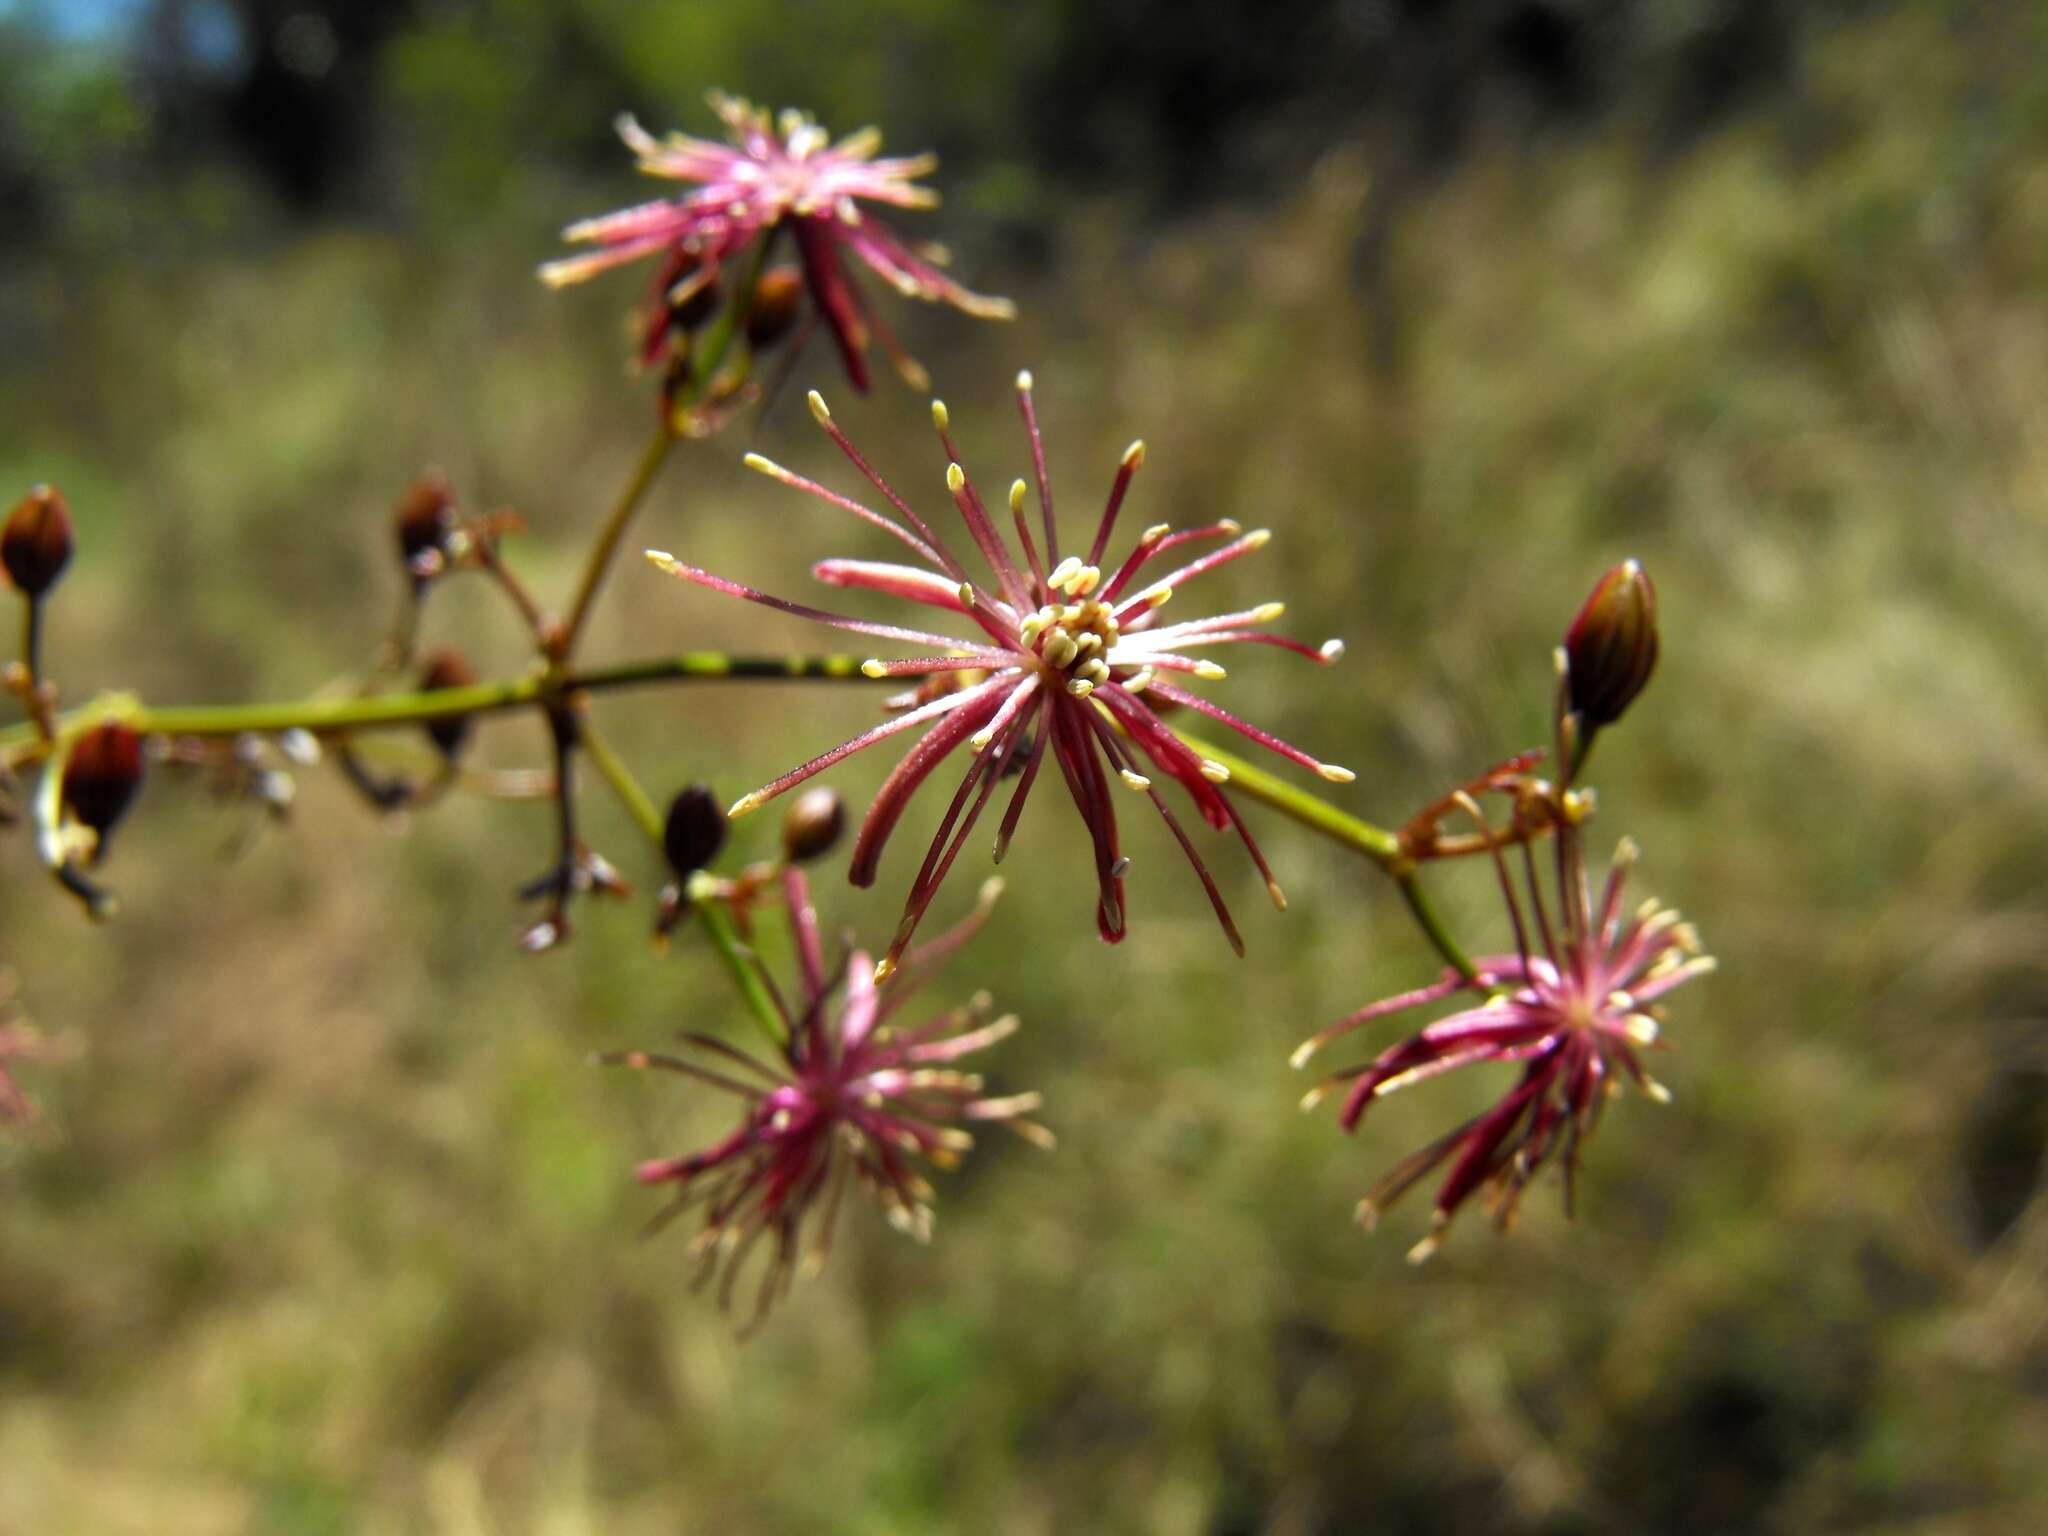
x,y
332,1228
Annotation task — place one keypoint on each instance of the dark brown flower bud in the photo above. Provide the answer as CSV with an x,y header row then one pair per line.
x,y
1611,648
102,775
690,304
695,830
448,669
36,544
812,824
424,519
777,298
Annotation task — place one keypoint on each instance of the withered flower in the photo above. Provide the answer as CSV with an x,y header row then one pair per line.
x,y
424,524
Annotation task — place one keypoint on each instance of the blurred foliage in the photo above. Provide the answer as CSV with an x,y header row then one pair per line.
x,y
333,1231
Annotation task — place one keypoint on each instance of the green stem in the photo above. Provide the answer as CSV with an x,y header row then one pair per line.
x,y
738,958
612,768
609,537
32,641
1376,843
339,716
1432,925
704,367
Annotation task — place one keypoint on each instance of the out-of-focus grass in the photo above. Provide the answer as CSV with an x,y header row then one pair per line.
x,y
337,1232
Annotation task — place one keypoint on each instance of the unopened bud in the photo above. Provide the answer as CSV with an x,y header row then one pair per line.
x,y
777,298
688,296
448,669
1611,648
102,775
424,519
695,830
36,544
812,825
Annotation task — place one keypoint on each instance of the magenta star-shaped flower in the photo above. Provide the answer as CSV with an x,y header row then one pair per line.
x,y
851,1098
1572,1012
1071,662
777,172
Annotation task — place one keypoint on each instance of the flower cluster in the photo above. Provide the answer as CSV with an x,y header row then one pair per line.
x,y
777,172
1071,660
1042,655
851,1097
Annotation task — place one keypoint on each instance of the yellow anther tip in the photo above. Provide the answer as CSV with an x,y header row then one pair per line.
x,y
1135,454
873,668
1016,495
663,559
1210,670
1335,774
955,477
818,407
1214,771
940,417
1024,381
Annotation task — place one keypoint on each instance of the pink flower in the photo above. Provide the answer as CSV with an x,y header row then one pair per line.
x,y
851,1098
1070,662
18,1042
1572,1013
775,173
